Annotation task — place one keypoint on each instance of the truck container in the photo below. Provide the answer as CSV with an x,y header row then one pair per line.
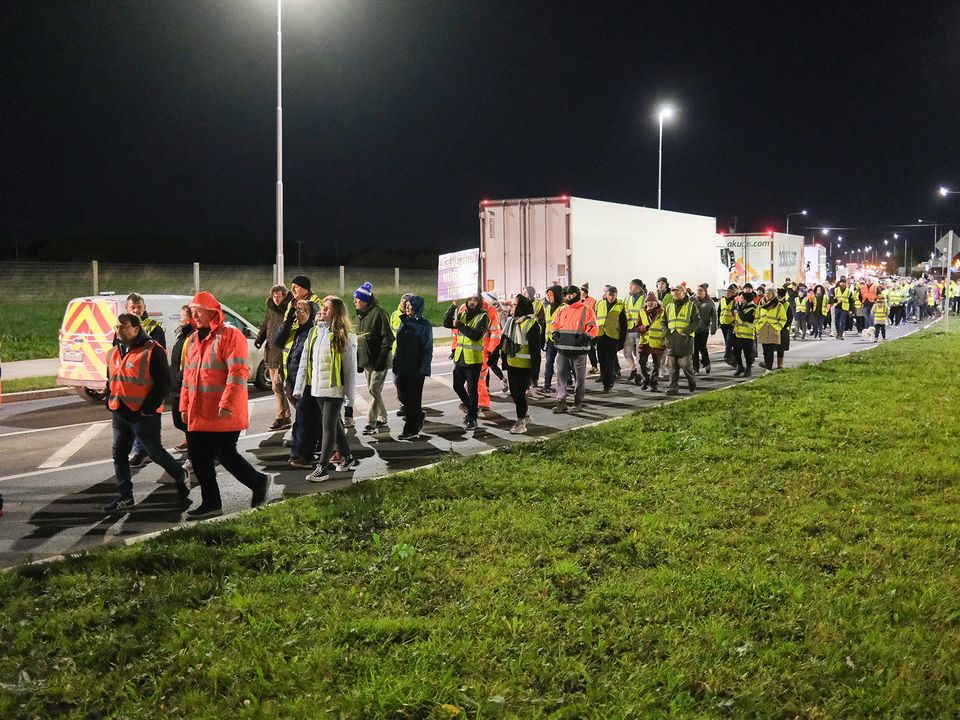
x,y
815,269
564,240
764,258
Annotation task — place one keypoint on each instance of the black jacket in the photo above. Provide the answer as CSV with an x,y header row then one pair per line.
x,y
176,371
159,371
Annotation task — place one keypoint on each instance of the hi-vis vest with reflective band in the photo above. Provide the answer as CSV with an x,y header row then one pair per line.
x,y
601,311
776,317
880,310
130,380
743,329
149,325
334,361
633,311
548,313
726,310
570,333
470,350
537,306
842,298
678,322
610,325
314,298
522,357
800,304
654,336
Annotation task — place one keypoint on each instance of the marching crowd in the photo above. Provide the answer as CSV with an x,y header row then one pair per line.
x,y
534,345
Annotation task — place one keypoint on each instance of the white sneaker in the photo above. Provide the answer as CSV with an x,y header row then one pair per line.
x,y
519,427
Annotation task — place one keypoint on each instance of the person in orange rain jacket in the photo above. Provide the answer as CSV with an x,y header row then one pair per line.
x,y
491,343
213,402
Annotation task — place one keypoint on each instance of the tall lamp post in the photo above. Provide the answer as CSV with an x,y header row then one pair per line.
x,y
666,112
279,278
790,215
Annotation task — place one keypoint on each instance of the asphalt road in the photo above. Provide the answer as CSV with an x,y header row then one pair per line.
x,y
56,472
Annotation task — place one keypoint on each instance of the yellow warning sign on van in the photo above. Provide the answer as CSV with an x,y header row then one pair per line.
x,y
86,337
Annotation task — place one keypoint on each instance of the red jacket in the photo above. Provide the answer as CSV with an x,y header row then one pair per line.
x,y
215,373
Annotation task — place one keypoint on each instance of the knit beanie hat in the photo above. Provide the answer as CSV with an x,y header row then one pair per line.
x,y
637,281
651,297
364,292
303,281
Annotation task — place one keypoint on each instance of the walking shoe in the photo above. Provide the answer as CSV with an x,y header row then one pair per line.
x,y
470,424
180,447
560,407
546,391
370,430
408,435
204,511
740,371
706,369
672,391
299,462
577,407
260,491
382,423
632,376
748,372
593,370
692,386
139,460
519,427
638,380
349,422
347,463
280,424
644,385
762,364
653,387
401,412
319,474
118,505
486,414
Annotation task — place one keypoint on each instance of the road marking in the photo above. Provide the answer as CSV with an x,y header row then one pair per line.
x,y
71,448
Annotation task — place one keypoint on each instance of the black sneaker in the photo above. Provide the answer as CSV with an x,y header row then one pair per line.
x,y
260,491
470,424
280,424
320,474
204,511
139,460
118,505
347,463
370,430
408,435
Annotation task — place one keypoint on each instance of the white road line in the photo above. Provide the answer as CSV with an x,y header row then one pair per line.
x,y
71,448
46,429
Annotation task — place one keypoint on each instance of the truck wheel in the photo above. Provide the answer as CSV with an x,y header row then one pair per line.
x,y
262,380
96,396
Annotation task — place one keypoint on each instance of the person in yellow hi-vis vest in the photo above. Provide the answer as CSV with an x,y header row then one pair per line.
x,y
682,321
632,304
471,324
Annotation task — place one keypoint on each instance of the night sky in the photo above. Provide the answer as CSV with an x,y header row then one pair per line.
x,y
159,116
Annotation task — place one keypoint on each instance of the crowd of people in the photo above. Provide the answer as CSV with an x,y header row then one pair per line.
x,y
536,346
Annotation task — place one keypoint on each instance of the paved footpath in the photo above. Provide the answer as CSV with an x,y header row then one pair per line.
x,y
56,472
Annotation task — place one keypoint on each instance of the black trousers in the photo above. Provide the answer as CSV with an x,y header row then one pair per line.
x,y
593,353
519,379
465,381
743,352
205,449
607,357
770,354
700,354
410,391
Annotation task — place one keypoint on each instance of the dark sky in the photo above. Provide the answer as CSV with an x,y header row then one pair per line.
x,y
159,116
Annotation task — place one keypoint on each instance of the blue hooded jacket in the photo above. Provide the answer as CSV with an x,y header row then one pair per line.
x,y
414,353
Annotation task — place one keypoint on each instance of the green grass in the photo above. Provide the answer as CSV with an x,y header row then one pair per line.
x,y
786,549
43,382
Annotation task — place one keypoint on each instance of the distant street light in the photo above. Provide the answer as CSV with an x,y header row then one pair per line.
x,y
790,215
666,113
944,192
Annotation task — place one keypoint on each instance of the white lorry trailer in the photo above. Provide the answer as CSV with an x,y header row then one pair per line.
x,y
764,258
564,240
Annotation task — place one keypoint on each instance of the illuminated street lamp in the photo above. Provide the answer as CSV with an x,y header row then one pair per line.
x,y
944,192
666,113
790,215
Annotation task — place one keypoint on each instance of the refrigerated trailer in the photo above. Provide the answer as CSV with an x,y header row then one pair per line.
x,y
564,240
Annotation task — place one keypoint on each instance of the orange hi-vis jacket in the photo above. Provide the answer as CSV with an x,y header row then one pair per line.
x,y
492,340
130,380
868,293
571,321
215,373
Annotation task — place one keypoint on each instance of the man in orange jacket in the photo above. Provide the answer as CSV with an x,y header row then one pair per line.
x,y
491,342
213,402
573,328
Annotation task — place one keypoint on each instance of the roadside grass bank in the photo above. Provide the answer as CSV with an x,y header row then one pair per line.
x,y
41,382
787,548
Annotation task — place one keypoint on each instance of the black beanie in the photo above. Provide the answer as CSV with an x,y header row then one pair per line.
x,y
303,281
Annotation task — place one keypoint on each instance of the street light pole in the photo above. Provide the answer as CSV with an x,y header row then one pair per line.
x,y
280,273
790,215
665,112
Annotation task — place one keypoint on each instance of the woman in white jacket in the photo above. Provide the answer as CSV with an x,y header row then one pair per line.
x,y
329,366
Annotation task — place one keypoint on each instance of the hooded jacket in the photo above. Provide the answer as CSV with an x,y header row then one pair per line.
x,y
300,333
272,320
159,371
414,346
184,333
215,373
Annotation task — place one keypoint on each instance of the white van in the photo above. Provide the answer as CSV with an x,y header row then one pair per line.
x,y
87,331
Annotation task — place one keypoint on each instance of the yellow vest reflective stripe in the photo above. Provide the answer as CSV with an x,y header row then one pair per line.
x,y
880,310
522,358
601,310
800,304
149,325
776,317
654,336
548,313
471,351
842,298
726,311
611,320
678,322
743,329
130,380
633,310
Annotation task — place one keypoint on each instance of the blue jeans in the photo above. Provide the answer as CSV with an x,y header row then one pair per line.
x,y
550,356
147,428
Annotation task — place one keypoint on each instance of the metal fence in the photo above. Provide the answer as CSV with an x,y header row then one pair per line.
x,y
25,280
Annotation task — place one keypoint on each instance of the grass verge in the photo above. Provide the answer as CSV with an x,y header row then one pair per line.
x,y
784,549
42,382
